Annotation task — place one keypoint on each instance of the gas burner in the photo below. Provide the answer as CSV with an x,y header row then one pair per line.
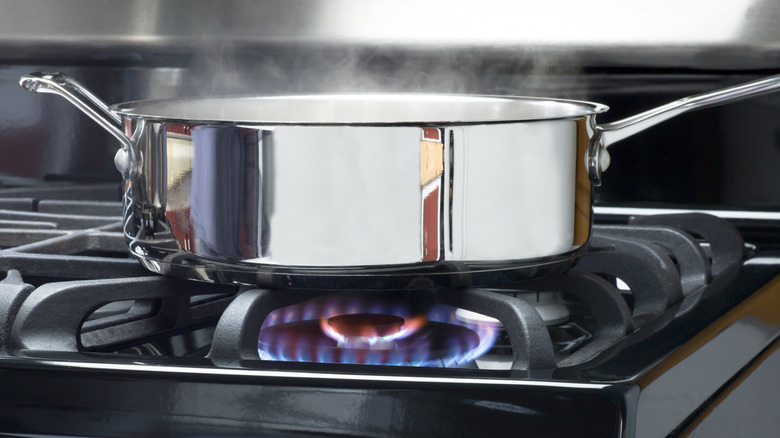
x,y
435,344
362,329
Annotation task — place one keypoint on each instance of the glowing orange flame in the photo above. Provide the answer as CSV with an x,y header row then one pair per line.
x,y
370,329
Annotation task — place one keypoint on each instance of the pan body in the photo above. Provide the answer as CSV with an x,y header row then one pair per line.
x,y
363,191
359,206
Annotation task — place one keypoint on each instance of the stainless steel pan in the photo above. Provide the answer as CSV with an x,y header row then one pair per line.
x,y
362,191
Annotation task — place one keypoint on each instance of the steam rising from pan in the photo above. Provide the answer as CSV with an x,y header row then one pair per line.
x,y
227,68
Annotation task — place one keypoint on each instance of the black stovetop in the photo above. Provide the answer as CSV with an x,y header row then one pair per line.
x,y
97,346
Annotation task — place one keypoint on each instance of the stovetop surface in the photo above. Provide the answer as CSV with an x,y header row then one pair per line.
x,y
70,238
129,338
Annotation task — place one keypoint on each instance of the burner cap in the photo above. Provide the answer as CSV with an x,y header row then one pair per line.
x,y
366,325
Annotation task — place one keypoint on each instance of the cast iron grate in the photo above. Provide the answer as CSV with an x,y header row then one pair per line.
x,y
64,232
657,257
72,286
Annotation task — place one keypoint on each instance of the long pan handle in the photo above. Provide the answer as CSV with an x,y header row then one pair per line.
x,y
608,134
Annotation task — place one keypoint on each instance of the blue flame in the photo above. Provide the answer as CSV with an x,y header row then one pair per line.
x,y
304,347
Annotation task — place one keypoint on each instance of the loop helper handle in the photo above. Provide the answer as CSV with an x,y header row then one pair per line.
x,y
126,159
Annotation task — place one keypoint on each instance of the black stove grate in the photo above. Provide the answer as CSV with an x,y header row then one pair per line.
x,y
55,233
72,286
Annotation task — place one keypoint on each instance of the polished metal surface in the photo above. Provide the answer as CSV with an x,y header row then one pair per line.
x,y
722,34
360,109
398,192
616,131
330,196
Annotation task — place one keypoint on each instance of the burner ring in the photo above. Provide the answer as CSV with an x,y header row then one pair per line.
x,y
372,329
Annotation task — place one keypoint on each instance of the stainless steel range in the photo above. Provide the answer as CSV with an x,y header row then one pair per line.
x,y
667,326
